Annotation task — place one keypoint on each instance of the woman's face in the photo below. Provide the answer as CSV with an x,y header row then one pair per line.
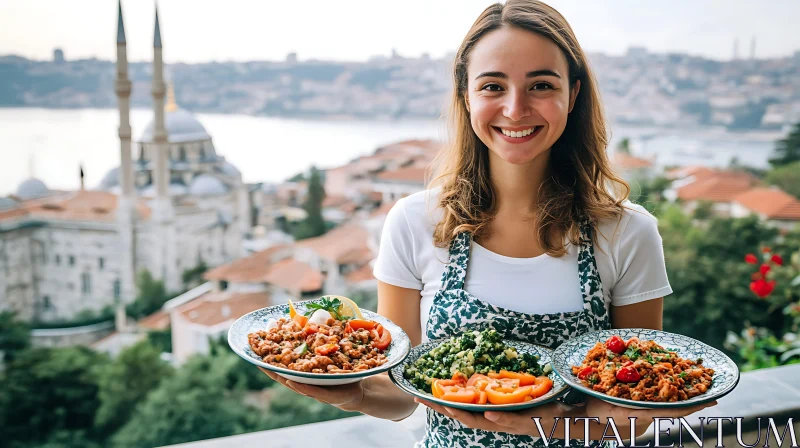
x,y
518,93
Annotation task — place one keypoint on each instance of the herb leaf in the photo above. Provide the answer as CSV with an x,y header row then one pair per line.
x,y
329,305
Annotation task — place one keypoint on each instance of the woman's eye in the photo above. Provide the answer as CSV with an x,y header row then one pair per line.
x,y
542,86
492,88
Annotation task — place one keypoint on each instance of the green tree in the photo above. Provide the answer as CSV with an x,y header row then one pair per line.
x,y
151,297
14,336
786,177
47,390
787,150
194,404
126,381
194,276
287,408
624,145
709,279
314,224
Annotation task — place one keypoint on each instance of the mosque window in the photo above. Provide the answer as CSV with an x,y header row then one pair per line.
x,y
202,153
182,154
101,262
46,303
141,152
86,283
72,260
58,260
117,289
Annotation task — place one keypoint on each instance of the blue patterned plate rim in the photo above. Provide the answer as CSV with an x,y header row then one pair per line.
x,y
562,365
545,356
237,340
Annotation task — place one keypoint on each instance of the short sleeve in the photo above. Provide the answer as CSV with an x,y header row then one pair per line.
x,y
395,262
641,270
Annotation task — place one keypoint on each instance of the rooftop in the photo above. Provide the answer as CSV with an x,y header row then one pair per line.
x,y
771,202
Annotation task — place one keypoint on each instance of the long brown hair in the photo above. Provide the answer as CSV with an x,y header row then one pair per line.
x,y
581,185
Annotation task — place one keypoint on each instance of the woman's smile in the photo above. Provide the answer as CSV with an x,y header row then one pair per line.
x,y
518,135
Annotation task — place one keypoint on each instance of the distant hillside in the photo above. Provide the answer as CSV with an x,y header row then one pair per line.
x,y
638,89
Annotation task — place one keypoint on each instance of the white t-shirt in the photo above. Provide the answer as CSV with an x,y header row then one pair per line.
x,y
628,251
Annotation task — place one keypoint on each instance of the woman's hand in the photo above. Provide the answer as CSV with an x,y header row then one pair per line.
x,y
347,397
520,423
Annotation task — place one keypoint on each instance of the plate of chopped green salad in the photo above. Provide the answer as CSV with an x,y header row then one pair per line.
x,y
479,371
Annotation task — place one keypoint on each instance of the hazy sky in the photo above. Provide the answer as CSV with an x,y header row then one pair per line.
x,y
223,30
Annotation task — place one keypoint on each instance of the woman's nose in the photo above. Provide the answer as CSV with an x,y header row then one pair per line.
x,y
517,106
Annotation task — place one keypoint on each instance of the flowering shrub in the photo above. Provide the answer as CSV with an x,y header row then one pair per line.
x,y
778,282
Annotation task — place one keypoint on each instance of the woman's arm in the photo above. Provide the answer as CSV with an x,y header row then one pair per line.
x,y
647,314
375,395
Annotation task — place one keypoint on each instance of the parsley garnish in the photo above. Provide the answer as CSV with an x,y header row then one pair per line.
x,y
632,353
329,305
682,375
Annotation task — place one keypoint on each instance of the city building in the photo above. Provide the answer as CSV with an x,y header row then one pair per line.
x,y
175,205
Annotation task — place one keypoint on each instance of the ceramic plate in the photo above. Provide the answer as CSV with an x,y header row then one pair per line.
x,y
544,354
257,320
726,373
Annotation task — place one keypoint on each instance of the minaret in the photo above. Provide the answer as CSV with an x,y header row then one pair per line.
x,y
126,207
163,212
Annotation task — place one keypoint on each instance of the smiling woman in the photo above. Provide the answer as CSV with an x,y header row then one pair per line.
x,y
542,244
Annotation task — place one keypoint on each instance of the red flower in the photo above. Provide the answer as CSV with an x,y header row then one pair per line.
x,y
751,259
766,250
762,288
777,259
764,269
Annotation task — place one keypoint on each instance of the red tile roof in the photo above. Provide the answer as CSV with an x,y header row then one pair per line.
x,y
343,244
83,205
218,307
771,202
274,266
624,161
156,321
720,186
413,174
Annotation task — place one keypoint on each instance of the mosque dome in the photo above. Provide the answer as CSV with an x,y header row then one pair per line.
x,y
31,189
181,125
230,170
110,180
207,185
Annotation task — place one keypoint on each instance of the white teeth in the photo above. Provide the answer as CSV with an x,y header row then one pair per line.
x,y
518,134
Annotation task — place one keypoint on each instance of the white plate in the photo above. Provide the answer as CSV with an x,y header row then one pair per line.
x,y
573,351
257,320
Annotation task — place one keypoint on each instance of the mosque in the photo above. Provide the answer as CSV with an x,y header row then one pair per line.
x,y
173,203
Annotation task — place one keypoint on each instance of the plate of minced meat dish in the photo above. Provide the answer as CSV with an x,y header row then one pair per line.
x,y
645,369
478,371
325,342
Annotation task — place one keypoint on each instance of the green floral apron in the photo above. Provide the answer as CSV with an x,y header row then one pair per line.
x,y
454,309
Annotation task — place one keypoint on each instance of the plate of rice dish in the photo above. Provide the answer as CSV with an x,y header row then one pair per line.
x,y
645,369
327,341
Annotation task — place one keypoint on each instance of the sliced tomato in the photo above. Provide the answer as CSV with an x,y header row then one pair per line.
x,y
586,372
436,389
477,377
326,349
384,338
542,386
525,379
460,394
615,344
483,398
300,319
507,395
459,378
357,324
507,383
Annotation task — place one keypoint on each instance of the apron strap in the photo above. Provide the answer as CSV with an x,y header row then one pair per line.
x,y
591,285
455,272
